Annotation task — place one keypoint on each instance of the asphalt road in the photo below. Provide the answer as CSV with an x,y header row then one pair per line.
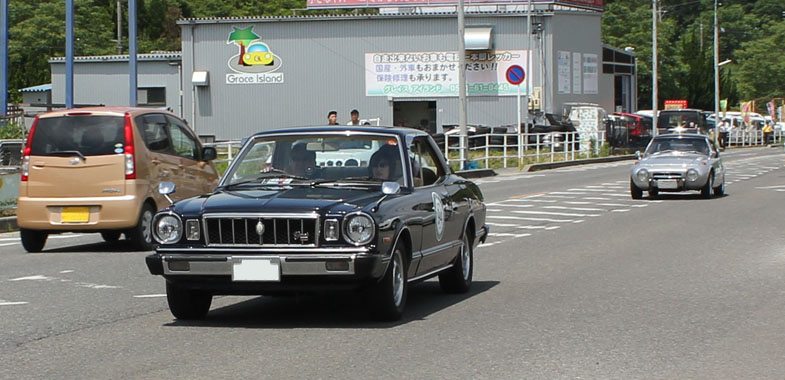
x,y
576,281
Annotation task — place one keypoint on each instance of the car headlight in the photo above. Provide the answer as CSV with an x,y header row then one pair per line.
x,y
692,175
643,175
168,228
358,228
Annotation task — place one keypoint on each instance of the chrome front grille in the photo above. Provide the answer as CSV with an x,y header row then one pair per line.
x,y
666,175
261,230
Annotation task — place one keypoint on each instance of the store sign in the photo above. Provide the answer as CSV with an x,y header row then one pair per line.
x,y
675,104
254,62
322,4
434,74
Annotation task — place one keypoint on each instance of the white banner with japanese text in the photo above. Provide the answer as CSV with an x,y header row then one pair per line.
x,y
435,74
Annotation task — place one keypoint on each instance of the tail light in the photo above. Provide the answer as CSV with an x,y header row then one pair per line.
x,y
27,150
637,129
130,155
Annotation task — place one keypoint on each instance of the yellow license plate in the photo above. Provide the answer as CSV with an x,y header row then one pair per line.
x,y
75,215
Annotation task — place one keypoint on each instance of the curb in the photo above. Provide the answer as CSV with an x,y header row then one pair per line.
x,y
476,173
8,224
561,164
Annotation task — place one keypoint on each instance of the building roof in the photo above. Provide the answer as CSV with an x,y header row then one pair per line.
x,y
154,56
39,88
364,16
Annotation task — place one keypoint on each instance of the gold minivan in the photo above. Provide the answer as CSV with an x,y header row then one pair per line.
x,y
98,169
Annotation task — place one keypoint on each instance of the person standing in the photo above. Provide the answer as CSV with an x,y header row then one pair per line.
x,y
767,130
355,118
332,118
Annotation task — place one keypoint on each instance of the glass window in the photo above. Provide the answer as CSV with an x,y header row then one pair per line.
x,y
426,167
151,96
152,127
89,135
183,144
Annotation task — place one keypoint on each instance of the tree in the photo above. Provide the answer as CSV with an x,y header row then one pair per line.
x,y
761,69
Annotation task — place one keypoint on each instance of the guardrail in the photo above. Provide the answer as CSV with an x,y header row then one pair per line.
x,y
536,147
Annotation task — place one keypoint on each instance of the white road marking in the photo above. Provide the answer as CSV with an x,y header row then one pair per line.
x,y
67,271
574,208
9,303
621,210
553,213
7,244
508,205
508,234
532,200
164,295
596,199
532,219
37,277
578,203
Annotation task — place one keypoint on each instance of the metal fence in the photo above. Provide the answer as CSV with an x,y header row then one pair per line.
x,y
501,149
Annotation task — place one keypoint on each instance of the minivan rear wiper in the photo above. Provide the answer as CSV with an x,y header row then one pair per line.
x,y
69,153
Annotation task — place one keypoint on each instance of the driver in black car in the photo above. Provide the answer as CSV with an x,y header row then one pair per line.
x,y
302,160
384,164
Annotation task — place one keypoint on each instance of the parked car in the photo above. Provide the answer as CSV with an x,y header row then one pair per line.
x,y
682,121
553,130
98,170
629,130
678,162
299,228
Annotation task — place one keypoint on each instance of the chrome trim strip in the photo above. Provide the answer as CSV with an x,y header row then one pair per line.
x,y
305,249
222,265
440,248
431,273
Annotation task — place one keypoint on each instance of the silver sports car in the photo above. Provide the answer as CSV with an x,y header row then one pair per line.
x,y
678,163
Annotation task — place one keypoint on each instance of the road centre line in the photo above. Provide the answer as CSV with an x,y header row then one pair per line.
x,y
150,296
621,205
505,234
565,193
7,244
587,189
508,205
9,303
577,203
522,227
532,200
596,199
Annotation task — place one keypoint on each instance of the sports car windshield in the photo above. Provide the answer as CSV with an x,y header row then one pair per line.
x,y
678,145
318,159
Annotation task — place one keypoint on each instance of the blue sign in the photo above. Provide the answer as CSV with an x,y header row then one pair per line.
x,y
515,75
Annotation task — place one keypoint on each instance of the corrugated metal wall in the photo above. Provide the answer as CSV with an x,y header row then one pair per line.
x,y
323,63
107,82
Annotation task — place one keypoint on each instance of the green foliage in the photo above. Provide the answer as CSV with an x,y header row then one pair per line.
x,y
11,131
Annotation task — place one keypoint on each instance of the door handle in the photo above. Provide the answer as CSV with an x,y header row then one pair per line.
x,y
155,161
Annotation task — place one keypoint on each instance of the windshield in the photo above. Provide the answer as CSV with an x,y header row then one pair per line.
x,y
318,159
678,145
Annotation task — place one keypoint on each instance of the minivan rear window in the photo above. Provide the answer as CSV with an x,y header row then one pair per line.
x,y
87,134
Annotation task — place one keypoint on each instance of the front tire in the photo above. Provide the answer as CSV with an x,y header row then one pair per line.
x,y
33,241
389,295
706,189
635,191
720,190
458,279
141,236
187,303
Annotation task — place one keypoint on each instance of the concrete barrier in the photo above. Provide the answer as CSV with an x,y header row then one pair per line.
x,y
561,164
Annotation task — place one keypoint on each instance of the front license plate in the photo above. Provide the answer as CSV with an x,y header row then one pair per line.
x,y
668,184
75,215
256,270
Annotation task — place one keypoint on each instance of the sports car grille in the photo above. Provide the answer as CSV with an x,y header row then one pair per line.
x,y
666,175
256,230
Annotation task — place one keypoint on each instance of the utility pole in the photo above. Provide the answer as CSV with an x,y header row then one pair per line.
x,y
119,28
132,51
654,95
69,53
462,84
4,57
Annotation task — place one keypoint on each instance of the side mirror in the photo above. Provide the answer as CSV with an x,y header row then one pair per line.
x,y
391,187
166,188
209,153
638,154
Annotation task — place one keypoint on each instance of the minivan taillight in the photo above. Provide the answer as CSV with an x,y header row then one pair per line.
x,y
637,129
130,156
27,150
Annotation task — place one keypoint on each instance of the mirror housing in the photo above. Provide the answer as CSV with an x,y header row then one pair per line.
x,y
638,154
391,187
209,153
166,188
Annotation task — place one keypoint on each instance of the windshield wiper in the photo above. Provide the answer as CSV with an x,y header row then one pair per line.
x,y
272,173
347,179
69,153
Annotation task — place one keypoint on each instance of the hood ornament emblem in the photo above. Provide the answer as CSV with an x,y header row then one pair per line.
x,y
260,228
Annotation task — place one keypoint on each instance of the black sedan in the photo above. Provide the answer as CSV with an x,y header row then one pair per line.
x,y
320,209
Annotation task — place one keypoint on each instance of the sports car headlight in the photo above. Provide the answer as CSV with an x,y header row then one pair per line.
x,y
358,228
643,175
168,228
692,175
